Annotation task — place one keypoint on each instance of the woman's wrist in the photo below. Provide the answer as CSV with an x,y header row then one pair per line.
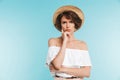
x,y
64,44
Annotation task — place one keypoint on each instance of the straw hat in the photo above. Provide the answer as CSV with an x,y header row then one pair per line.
x,y
68,8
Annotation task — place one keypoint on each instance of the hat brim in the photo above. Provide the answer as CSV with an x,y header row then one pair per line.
x,y
68,8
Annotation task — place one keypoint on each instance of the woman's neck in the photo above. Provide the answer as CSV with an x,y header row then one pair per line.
x,y
72,38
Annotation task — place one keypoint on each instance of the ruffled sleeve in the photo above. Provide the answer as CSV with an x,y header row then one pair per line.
x,y
52,52
86,61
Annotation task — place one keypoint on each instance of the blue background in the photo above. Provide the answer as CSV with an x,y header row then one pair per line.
x,y
26,26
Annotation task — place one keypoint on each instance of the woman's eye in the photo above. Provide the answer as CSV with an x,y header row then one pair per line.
x,y
71,21
63,22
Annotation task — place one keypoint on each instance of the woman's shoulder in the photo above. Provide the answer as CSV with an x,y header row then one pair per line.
x,y
82,44
53,41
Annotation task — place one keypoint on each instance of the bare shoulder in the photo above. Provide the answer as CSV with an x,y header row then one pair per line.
x,y
83,45
52,41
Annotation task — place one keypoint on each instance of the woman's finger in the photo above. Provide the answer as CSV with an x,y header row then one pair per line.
x,y
68,34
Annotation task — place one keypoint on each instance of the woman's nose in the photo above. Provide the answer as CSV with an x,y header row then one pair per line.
x,y
68,25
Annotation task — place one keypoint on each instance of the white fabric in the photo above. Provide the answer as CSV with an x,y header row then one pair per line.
x,y
74,58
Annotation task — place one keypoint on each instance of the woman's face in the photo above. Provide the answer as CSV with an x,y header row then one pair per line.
x,y
67,25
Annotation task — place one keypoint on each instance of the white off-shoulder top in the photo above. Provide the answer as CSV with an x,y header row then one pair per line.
x,y
74,58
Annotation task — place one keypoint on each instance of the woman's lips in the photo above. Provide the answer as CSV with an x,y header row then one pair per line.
x,y
68,30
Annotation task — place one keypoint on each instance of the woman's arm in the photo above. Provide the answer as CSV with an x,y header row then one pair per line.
x,y
58,60
79,72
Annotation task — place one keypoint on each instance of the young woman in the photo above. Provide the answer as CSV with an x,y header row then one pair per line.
x,y
68,57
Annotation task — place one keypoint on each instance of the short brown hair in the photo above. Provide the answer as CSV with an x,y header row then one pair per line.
x,y
69,15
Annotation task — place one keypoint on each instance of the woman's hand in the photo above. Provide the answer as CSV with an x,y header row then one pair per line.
x,y
65,35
